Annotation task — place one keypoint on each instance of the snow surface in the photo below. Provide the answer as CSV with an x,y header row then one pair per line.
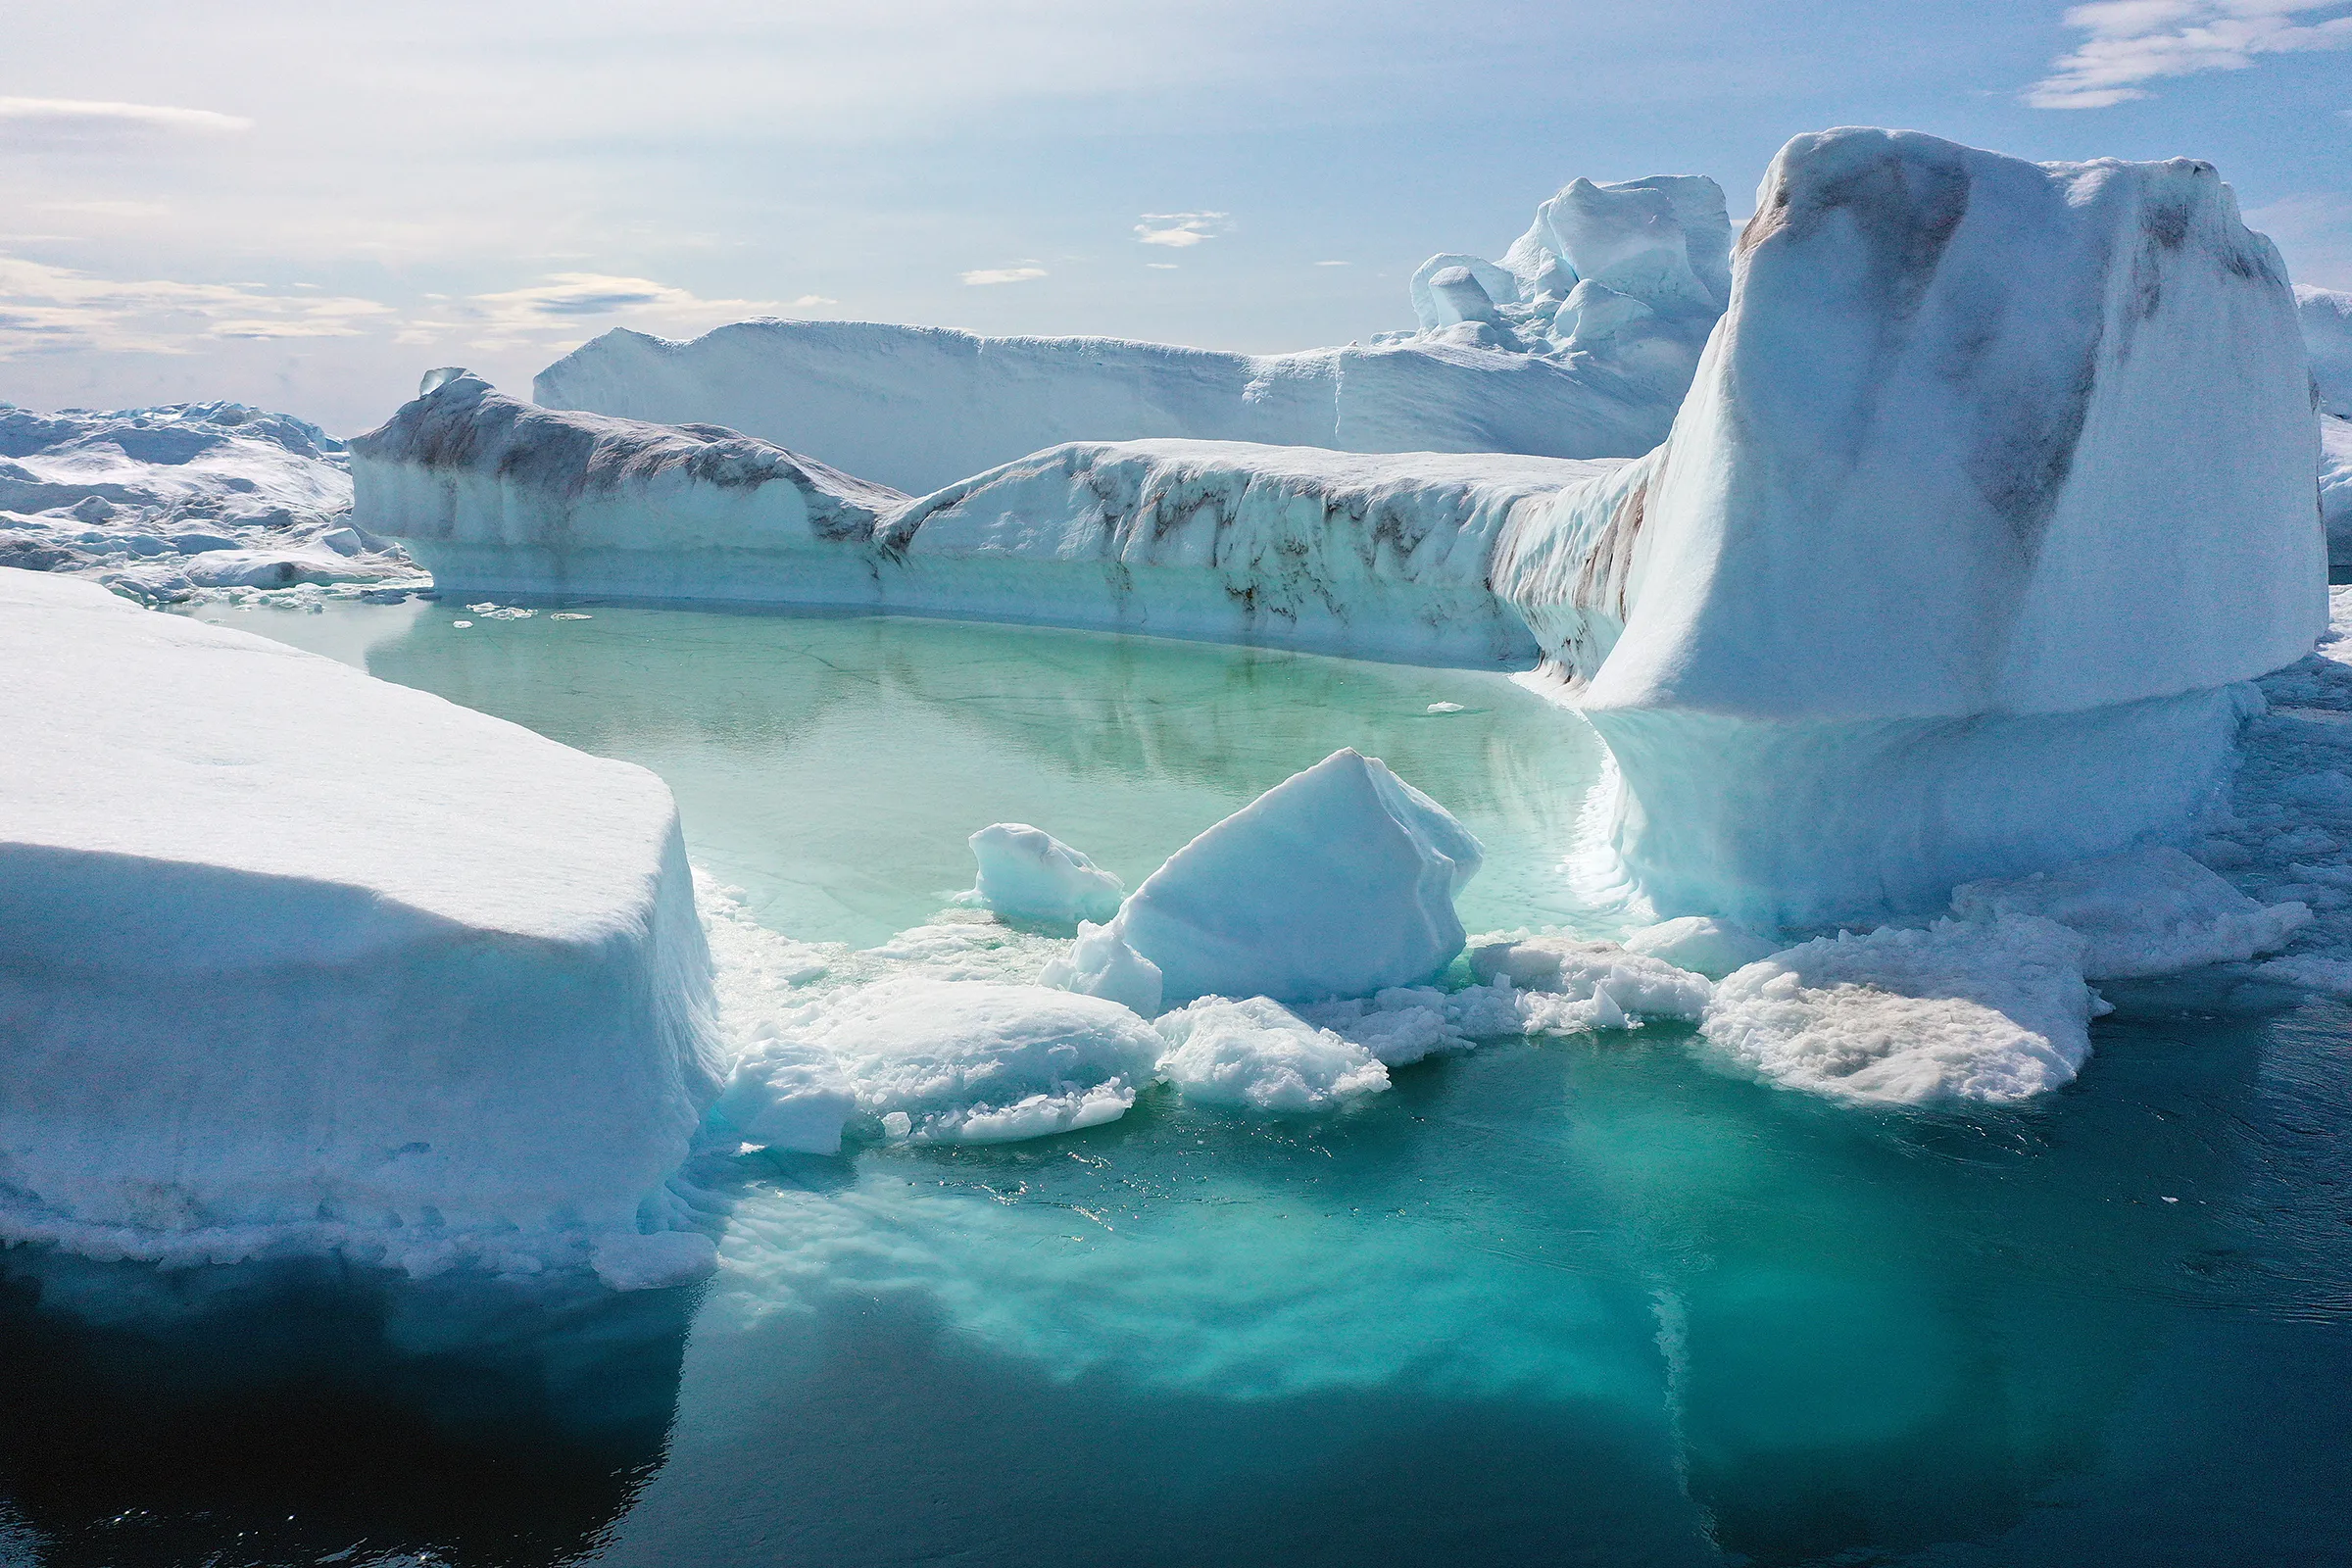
x,y
1515,358
1030,874
161,503
1994,477
1988,1012
1380,556
1336,882
299,958
1257,1054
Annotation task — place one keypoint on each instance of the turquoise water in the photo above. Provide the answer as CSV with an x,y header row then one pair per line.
x,y
1578,1300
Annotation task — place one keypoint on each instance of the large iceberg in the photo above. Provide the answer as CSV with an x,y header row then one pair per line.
x,y
298,959
163,503
1995,480
1578,344
1374,556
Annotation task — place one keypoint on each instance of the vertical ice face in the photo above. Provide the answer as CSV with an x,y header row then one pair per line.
x,y
1979,442
2325,314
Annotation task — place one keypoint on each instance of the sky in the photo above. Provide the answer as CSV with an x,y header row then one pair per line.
x,y
305,206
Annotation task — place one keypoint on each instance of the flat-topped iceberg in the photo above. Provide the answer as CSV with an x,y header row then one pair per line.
x,y
300,959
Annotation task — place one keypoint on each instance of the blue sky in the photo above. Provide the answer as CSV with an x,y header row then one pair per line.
x,y
305,205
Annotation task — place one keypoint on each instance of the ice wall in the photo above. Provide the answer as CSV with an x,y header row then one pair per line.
x,y
1994,480
1375,556
297,959
2325,314
920,407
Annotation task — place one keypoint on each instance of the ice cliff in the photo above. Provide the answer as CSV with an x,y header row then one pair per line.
x,y
2326,317
300,959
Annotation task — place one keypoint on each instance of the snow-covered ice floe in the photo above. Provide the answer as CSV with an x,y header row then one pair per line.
x,y
297,959
163,504
1578,344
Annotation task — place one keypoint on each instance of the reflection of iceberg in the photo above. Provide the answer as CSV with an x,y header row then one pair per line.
x,y
297,1407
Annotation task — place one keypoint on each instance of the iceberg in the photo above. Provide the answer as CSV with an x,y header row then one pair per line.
x,y
299,960
1381,556
1028,873
1993,482
1502,361
1336,882
2326,316
162,503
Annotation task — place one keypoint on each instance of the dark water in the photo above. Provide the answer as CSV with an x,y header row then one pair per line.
x,y
1579,1300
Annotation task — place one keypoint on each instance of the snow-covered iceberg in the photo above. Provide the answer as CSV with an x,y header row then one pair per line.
x,y
163,503
1381,557
1995,480
1578,344
301,959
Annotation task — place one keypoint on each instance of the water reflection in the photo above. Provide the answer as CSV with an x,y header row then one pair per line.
x,y
285,1413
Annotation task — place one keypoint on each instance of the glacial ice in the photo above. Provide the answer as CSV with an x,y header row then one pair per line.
x,y
1381,557
1699,943
1336,882
300,959
162,503
1991,1012
1505,362
1100,963
1994,479
2326,316
1030,874
1257,1054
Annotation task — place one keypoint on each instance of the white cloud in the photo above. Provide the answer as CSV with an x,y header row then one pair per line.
x,y
69,121
562,300
1181,230
1161,267
44,307
2131,42
1333,264
1003,274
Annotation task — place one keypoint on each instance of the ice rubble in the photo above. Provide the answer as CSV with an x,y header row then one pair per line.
x,y
302,959
2149,911
1028,873
1373,556
1583,351
1258,1054
1991,1012
161,503
1994,479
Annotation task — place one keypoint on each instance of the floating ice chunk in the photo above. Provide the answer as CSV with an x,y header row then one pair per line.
x,y
1701,944
1029,873
787,1093
1445,707
1993,1011
1101,965
1336,882
2311,971
1635,984
966,1062
1257,1054
2145,912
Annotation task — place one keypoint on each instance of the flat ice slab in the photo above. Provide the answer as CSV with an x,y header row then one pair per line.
x,y
297,958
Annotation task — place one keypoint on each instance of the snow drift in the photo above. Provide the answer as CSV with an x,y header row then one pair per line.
x,y
299,958
1994,479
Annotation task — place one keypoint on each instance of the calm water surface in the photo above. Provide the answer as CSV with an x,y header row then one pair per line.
x,y
1579,1300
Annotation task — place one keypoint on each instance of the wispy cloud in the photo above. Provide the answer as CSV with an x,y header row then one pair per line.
x,y
563,302
46,309
1003,274
69,121
1181,230
2134,42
